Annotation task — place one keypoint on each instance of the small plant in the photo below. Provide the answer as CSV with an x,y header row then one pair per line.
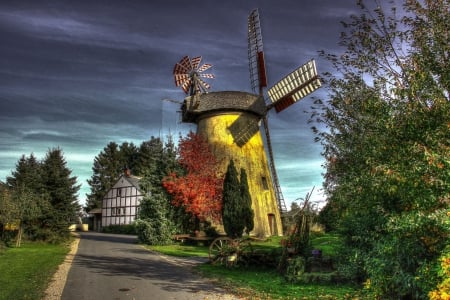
x,y
295,269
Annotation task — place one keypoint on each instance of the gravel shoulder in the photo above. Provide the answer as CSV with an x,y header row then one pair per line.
x,y
56,286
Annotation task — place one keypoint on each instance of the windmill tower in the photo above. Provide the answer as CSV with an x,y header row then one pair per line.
x,y
235,123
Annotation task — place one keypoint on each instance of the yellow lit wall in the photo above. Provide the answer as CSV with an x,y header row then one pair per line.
x,y
252,157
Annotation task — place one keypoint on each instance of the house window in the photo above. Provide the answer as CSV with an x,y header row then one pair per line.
x,y
119,192
265,183
118,211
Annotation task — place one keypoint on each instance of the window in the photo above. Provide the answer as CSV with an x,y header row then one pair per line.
x,y
264,183
119,192
118,211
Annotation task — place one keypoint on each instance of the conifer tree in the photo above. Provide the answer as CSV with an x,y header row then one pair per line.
x,y
107,168
232,214
247,210
62,189
27,174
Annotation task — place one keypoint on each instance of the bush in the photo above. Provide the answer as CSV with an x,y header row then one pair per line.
x,y
120,229
442,291
154,233
295,269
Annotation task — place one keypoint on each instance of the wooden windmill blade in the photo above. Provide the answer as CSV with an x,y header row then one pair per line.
x,y
258,80
257,66
187,73
294,87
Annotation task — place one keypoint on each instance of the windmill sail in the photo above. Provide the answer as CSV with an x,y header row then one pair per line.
x,y
295,86
257,66
188,73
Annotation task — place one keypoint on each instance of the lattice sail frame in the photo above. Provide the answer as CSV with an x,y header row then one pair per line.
x,y
187,73
257,66
295,86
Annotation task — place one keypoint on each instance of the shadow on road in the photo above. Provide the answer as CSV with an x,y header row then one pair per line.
x,y
106,237
135,263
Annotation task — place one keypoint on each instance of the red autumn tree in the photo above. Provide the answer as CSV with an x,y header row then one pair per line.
x,y
199,190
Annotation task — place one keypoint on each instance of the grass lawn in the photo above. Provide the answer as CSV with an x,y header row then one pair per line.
x,y
181,250
265,283
261,283
26,271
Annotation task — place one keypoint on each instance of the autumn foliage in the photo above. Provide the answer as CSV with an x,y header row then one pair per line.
x,y
199,190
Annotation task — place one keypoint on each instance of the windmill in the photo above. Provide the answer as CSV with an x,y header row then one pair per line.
x,y
231,122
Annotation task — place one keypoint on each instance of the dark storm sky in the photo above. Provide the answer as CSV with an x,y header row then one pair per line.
x,y
79,74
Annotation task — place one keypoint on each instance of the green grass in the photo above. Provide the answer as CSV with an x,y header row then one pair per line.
x,y
265,283
26,271
261,283
181,250
328,243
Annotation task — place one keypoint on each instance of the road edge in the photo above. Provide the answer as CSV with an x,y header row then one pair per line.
x,y
56,286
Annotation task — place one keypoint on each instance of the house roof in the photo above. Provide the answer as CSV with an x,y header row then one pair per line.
x,y
133,180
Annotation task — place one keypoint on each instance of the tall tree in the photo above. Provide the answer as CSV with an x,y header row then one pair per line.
x,y
25,201
62,189
149,162
232,217
199,189
26,210
247,210
387,145
26,174
129,155
154,225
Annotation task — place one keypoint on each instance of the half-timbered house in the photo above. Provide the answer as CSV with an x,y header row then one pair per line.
x,y
120,205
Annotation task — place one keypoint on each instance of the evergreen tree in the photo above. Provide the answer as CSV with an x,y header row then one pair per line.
x,y
182,221
247,210
26,200
149,163
107,168
129,155
62,189
232,207
26,175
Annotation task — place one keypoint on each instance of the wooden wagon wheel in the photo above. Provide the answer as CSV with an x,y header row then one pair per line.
x,y
219,249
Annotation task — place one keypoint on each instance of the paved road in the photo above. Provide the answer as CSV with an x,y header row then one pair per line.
x,y
111,267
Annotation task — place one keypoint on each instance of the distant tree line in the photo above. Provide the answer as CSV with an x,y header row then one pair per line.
x,y
39,199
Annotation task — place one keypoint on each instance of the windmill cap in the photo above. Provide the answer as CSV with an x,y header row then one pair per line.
x,y
225,101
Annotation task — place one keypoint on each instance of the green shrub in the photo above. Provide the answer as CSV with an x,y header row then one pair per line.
x,y
120,229
295,268
153,233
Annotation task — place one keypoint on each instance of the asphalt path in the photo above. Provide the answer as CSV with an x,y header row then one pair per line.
x,y
111,267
